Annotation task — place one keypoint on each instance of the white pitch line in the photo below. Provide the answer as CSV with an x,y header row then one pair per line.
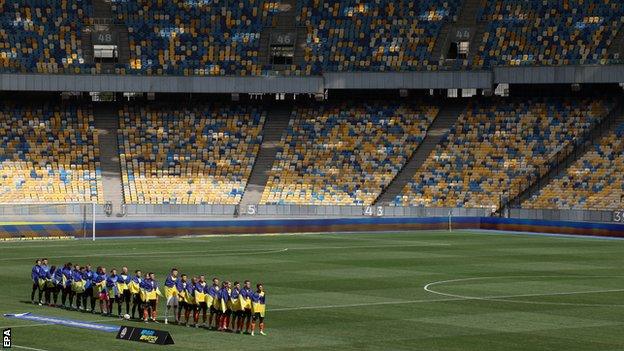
x,y
158,254
46,324
503,298
227,252
407,302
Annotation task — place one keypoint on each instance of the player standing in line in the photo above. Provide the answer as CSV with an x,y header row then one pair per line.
x,y
191,304
66,292
47,285
237,309
224,299
50,286
124,290
78,286
182,298
44,273
213,298
150,290
113,291
88,278
200,297
246,293
57,280
135,292
258,305
99,289
171,294
34,274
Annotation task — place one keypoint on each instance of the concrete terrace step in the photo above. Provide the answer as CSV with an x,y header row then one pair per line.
x,y
107,125
447,117
277,121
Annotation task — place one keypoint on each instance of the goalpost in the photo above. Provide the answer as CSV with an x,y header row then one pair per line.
x,y
32,220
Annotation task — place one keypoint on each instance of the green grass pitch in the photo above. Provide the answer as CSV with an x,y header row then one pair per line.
x,y
361,291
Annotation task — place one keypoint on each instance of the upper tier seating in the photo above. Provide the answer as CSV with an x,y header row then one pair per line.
x,y
496,150
344,154
43,36
595,181
384,35
48,153
199,155
192,37
220,37
537,32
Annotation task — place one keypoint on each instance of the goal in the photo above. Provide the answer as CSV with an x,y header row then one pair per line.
x,y
34,220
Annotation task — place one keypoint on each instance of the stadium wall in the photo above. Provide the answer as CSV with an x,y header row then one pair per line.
x,y
476,79
167,228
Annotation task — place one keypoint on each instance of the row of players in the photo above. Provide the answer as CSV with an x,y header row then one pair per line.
x,y
224,307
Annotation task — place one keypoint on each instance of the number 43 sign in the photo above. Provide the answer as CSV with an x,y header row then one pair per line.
x,y
377,211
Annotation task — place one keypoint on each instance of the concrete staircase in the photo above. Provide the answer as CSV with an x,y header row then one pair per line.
x,y
277,121
447,117
615,117
107,125
102,9
87,45
616,49
123,43
476,40
442,42
469,12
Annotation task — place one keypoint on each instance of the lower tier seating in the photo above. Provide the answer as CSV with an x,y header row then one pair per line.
x,y
198,155
497,149
345,154
48,153
595,181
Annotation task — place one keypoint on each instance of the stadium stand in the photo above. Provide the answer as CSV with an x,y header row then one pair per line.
x,y
595,181
537,32
199,155
348,35
217,38
344,153
42,36
204,38
48,153
499,148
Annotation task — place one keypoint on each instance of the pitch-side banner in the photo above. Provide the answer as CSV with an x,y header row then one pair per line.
x,y
149,336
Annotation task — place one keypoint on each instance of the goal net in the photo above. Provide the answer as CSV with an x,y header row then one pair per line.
x,y
47,220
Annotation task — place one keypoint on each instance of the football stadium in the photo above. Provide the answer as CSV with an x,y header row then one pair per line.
x,y
312,175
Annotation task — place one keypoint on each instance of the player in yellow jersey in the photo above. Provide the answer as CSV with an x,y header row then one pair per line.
x,y
171,295
215,310
182,297
135,292
245,295
237,308
258,306
200,297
